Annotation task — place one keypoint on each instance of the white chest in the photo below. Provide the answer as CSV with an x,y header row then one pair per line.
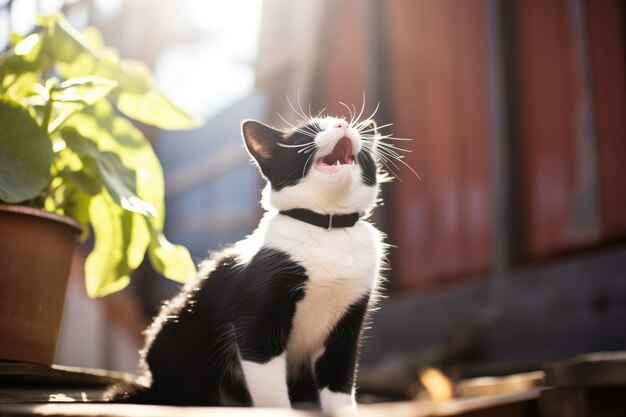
x,y
342,266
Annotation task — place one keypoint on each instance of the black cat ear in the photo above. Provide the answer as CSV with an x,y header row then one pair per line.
x,y
261,140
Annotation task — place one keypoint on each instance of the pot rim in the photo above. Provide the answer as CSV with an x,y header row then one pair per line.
x,y
16,208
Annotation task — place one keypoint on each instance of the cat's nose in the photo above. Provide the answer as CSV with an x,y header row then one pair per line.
x,y
342,125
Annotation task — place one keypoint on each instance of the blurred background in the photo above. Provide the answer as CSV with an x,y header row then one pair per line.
x,y
509,252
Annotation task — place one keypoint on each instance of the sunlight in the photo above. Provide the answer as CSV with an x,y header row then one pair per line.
x,y
218,65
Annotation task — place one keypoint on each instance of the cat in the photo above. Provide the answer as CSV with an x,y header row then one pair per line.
x,y
278,318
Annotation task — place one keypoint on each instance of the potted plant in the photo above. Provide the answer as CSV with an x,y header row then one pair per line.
x,y
71,161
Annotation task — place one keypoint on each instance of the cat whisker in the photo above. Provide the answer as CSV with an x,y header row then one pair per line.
x,y
389,137
306,150
302,115
385,162
398,158
392,146
387,153
307,132
349,111
356,121
373,113
306,163
309,120
284,145
365,129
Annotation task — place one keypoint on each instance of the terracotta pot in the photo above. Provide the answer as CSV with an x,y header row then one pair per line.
x,y
36,250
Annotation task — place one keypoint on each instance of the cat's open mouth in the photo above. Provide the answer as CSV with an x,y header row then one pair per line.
x,y
340,156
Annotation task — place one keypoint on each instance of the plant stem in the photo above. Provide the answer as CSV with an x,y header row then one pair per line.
x,y
46,116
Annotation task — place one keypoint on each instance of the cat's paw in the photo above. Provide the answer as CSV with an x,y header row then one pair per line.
x,y
333,400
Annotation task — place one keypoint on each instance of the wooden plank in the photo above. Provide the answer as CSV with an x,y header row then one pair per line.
x,y
12,372
513,405
547,93
124,410
521,404
473,136
438,95
583,402
564,403
500,385
20,394
607,46
592,370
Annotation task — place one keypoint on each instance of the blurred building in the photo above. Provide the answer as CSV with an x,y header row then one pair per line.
x,y
511,246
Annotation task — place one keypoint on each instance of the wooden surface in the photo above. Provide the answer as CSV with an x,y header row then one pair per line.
x,y
27,389
520,404
593,370
510,384
592,385
27,382
16,372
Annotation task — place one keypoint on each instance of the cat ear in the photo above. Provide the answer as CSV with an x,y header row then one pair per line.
x,y
260,139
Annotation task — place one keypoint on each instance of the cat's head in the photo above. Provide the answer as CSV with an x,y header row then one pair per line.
x,y
325,165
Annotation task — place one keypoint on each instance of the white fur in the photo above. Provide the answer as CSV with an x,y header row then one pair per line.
x,y
342,265
326,139
324,193
333,400
267,382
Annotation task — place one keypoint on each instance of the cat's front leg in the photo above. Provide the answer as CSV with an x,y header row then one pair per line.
x,y
262,344
267,382
336,369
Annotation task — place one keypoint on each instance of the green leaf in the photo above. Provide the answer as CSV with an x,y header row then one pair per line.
x,y
29,47
86,90
61,111
87,179
65,42
116,134
25,154
155,109
119,180
172,261
73,95
77,207
22,85
25,58
84,64
121,239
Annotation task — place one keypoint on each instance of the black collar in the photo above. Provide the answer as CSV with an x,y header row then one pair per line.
x,y
326,221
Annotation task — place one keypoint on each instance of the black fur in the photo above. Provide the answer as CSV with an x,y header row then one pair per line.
x,y
193,361
286,166
337,366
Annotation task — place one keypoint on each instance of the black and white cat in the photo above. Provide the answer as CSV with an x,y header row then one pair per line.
x,y
278,317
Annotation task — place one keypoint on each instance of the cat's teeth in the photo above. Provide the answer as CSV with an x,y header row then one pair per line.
x,y
337,163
